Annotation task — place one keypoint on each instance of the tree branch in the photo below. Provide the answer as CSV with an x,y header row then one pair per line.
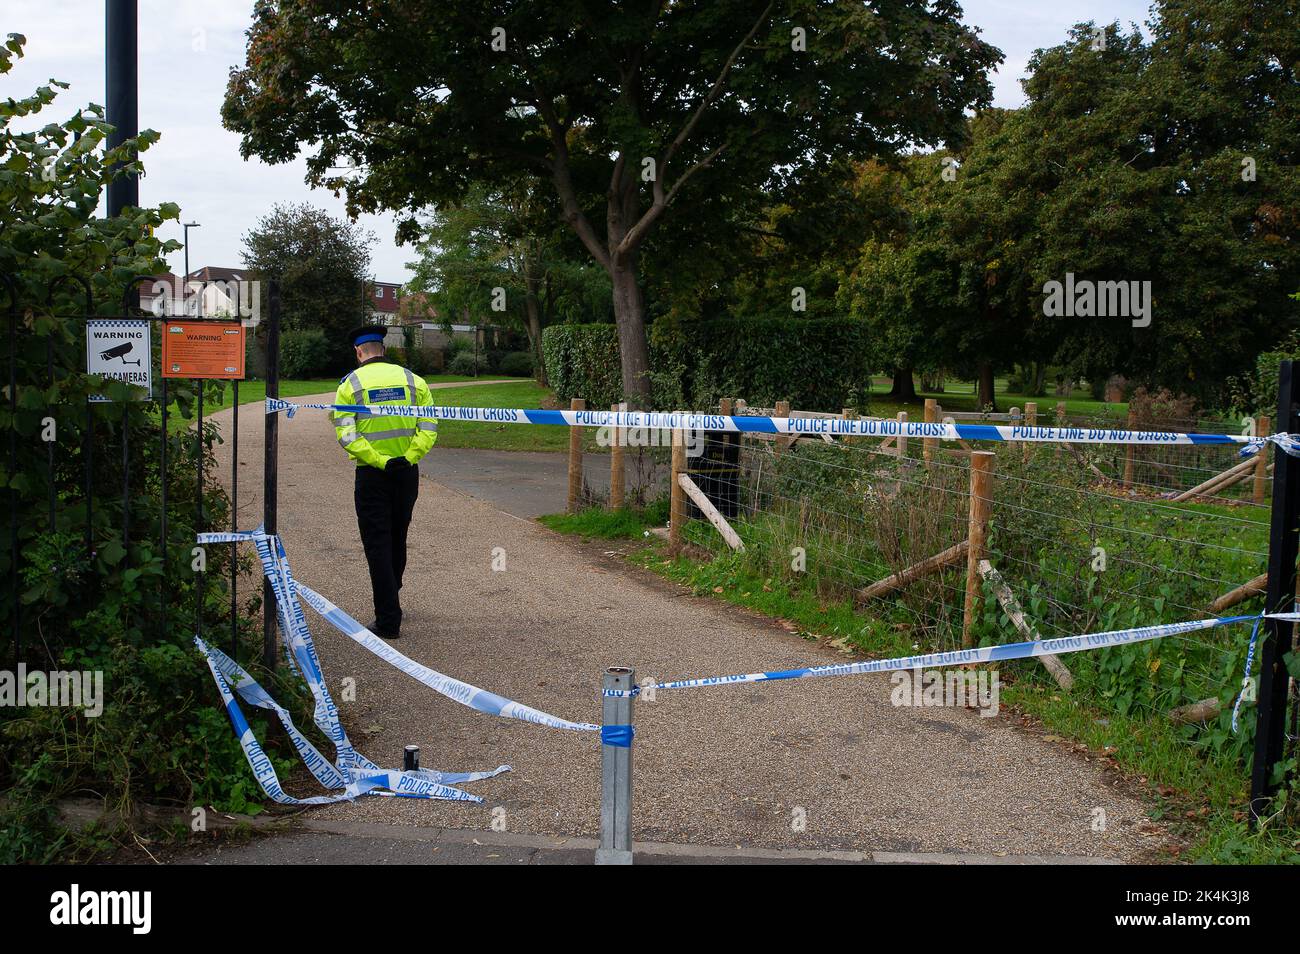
x,y
635,235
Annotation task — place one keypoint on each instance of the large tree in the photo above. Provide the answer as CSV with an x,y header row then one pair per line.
x,y
1170,161
624,109
323,267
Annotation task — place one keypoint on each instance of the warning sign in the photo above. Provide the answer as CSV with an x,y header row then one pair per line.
x,y
203,349
119,348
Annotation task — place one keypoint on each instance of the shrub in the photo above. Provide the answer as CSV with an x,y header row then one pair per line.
x,y
306,353
464,363
517,364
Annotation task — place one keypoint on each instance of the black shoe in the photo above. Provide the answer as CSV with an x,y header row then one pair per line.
x,y
374,628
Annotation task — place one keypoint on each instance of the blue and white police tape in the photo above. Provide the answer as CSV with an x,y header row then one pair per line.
x,y
276,566
1250,661
798,426
960,657
361,778
350,771
478,699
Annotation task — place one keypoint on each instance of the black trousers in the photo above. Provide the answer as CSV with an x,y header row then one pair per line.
x,y
384,501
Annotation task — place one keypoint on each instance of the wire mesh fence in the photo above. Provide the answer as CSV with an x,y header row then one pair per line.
x,y
1069,540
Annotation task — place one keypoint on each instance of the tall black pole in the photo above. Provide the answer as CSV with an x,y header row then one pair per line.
x,y
121,84
1283,545
270,474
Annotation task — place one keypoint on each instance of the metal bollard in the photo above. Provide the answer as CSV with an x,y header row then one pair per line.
x,y
616,769
411,758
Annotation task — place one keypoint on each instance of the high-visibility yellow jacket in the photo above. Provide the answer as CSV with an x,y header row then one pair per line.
x,y
373,439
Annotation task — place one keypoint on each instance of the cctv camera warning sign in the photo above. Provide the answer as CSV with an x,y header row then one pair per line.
x,y
120,349
203,349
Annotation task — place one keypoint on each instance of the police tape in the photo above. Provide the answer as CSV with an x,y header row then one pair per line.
x,y
800,426
362,777
350,771
961,657
478,699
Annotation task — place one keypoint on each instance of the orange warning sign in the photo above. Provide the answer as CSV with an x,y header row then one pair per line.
x,y
203,349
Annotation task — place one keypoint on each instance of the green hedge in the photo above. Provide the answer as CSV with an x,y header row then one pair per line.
x,y
818,364
582,361
306,353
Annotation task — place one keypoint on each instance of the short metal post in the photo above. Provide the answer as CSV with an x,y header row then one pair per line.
x,y
616,768
411,758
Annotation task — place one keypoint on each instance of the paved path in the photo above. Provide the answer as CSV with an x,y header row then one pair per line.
x,y
723,766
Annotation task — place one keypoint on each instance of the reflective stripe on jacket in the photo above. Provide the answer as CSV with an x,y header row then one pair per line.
x,y
373,439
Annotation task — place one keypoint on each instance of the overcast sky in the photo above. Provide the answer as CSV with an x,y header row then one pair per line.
x,y
188,46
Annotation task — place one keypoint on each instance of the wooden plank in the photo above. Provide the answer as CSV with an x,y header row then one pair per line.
x,y
1064,678
942,560
1242,593
1202,711
706,506
1234,474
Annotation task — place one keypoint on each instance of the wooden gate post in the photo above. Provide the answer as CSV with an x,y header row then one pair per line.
x,y
1262,427
575,458
929,444
981,469
616,462
1031,420
1278,636
676,492
1130,451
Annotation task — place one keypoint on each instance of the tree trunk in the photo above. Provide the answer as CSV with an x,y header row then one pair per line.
x,y
1040,379
903,388
533,308
633,346
985,397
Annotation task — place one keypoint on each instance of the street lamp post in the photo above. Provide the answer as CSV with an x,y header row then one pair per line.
x,y
185,284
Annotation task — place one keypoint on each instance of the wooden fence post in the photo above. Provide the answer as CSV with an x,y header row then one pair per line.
x,y
929,444
981,469
1262,428
616,462
1130,452
900,445
782,409
1031,420
575,458
677,493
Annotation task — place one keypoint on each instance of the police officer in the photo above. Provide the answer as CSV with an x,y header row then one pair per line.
x,y
387,450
